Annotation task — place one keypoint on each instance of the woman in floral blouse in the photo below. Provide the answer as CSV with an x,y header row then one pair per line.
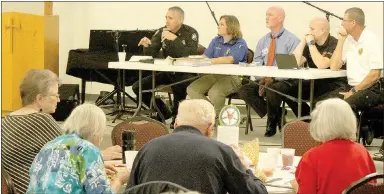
x,y
72,163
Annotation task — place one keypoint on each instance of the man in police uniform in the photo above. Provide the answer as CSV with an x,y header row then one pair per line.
x,y
315,49
360,49
176,40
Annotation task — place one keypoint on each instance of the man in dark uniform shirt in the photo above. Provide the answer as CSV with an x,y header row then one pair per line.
x,y
315,49
176,40
190,158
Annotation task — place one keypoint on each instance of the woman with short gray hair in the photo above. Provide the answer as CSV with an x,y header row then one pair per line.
x,y
25,131
73,163
338,161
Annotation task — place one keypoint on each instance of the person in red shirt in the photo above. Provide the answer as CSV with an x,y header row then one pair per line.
x,y
339,160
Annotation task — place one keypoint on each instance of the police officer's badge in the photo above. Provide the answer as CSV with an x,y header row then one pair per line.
x,y
228,51
194,37
183,41
324,53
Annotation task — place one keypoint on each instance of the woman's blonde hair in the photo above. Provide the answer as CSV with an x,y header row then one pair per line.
x,y
333,119
233,26
35,82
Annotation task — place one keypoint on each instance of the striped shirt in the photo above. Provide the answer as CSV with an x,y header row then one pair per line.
x,y
22,138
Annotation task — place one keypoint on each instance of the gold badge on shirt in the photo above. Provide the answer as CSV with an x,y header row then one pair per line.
x,y
361,51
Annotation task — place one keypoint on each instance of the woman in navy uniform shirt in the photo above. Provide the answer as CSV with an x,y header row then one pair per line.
x,y
227,48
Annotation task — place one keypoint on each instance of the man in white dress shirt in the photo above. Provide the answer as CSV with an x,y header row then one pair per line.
x,y
360,49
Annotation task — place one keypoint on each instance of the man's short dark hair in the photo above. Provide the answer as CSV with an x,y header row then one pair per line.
x,y
356,14
178,10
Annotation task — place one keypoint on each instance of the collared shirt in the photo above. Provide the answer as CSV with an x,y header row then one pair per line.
x,y
193,161
68,164
362,56
237,48
184,45
326,50
286,43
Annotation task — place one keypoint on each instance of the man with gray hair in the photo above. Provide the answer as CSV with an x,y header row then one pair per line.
x,y
360,49
176,40
188,157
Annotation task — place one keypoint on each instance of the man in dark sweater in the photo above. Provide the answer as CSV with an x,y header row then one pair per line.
x,y
176,39
190,158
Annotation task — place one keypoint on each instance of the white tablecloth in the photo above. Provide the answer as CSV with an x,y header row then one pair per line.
x,y
231,69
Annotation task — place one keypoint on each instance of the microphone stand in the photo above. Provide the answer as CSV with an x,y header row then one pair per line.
x,y
327,13
213,14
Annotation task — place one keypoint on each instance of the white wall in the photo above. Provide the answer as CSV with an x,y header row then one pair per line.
x,y
78,18
25,7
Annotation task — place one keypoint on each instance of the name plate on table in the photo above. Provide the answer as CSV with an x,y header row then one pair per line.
x,y
228,135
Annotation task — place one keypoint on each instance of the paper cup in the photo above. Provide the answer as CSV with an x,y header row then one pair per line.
x,y
122,56
129,158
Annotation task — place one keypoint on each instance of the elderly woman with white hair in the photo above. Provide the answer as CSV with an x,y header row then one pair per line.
x,y
339,160
72,163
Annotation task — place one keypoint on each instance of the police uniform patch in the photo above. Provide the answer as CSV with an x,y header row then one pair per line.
x,y
194,37
183,41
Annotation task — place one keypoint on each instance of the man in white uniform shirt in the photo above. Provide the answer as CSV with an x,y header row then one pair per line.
x,y
360,49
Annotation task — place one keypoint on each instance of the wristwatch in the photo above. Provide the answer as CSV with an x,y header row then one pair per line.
x,y
312,42
353,90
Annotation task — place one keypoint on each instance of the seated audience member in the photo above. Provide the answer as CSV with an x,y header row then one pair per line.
x,y
338,161
279,41
176,40
227,48
360,49
315,49
25,131
72,163
190,158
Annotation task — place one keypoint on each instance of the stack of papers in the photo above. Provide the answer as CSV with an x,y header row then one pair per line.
x,y
194,62
136,58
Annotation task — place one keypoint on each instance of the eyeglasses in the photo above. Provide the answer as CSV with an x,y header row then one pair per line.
x,y
54,95
347,20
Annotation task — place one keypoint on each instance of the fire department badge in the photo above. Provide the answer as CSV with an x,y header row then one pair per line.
x,y
361,51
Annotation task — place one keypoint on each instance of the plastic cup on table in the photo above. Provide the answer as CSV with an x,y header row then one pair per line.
x,y
287,155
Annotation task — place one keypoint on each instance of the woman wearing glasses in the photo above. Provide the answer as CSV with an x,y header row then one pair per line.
x,y
25,131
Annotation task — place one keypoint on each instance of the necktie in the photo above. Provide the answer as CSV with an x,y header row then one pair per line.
x,y
271,52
